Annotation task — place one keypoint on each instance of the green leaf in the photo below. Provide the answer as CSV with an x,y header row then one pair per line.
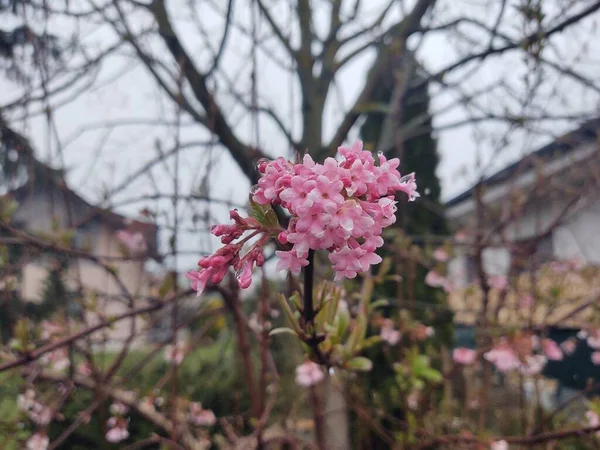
x,y
264,214
378,304
288,313
360,363
282,330
432,375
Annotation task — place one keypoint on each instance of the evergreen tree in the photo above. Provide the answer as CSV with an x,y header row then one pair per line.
x,y
416,221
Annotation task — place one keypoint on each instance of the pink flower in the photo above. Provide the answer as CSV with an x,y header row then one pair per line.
x,y
118,409
339,206
440,255
117,430
40,414
174,354
57,360
39,441
84,369
308,374
499,445
201,417
434,279
533,365
134,242
552,350
593,339
412,400
389,334
25,401
568,346
596,358
463,355
593,420
51,329
503,357
290,261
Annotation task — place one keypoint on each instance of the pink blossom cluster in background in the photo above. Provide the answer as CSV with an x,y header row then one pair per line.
x,y
134,242
528,354
389,333
201,417
340,206
37,411
464,356
39,441
174,354
117,425
308,374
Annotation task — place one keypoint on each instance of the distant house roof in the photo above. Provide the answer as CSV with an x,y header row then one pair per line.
x,y
41,177
587,132
87,212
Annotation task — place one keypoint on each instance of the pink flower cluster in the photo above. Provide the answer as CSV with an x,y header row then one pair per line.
x,y
309,374
117,424
201,417
134,242
339,206
464,356
520,354
389,333
213,268
39,413
39,441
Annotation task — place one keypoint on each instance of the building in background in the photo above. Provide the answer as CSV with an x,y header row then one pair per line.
x,y
48,207
542,208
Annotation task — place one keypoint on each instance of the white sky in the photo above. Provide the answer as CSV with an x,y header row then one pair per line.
x,y
124,91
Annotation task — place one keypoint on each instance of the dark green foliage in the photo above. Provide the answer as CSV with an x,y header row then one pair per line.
x,y
416,220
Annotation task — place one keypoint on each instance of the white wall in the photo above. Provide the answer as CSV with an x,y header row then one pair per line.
x,y
575,237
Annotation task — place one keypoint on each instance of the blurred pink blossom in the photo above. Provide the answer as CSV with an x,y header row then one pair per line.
x,y
463,355
308,374
533,365
503,357
388,332
134,242
568,346
434,279
499,445
201,417
440,254
39,441
117,430
84,369
174,354
593,339
552,350
118,409
593,420
596,358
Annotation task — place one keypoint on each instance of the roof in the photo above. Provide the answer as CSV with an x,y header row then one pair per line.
x,y
41,176
88,212
565,144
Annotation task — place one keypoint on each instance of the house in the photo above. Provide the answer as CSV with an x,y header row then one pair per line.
x,y
547,204
544,207
46,205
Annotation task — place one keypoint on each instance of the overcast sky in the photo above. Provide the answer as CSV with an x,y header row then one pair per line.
x,y
124,91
